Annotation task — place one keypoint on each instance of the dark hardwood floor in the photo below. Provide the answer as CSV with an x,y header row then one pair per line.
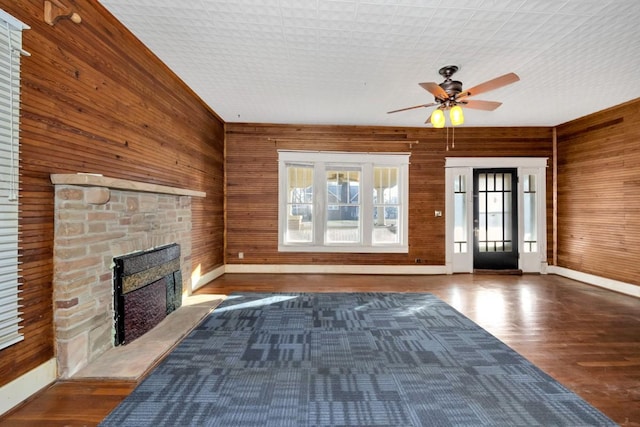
x,y
585,337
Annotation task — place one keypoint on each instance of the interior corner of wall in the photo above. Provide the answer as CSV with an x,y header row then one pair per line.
x,y
544,267
203,279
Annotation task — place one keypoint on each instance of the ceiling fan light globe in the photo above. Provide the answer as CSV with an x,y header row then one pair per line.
x,y
437,118
456,115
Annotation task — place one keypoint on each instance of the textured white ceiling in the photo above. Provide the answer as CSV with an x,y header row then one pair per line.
x,y
351,61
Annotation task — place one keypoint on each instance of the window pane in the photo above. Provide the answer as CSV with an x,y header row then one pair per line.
x,y
460,215
530,217
386,210
299,203
459,184
343,205
386,231
494,213
495,216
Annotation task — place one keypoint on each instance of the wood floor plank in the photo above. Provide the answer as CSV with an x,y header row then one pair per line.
x,y
70,403
585,337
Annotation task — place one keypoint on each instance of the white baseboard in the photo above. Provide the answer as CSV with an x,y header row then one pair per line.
x,y
28,384
613,285
208,277
335,269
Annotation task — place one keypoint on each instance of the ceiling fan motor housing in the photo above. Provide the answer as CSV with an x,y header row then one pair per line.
x,y
452,87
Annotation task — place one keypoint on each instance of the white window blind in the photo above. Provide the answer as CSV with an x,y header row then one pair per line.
x,y
10,52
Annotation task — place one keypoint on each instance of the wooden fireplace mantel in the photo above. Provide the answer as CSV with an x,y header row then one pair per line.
x,y
92,180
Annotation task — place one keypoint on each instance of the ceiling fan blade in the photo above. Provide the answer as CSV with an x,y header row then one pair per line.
x,y
481,105
411,108
435,90
492,84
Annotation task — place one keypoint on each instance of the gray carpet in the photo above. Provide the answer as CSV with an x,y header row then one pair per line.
x,y
331,359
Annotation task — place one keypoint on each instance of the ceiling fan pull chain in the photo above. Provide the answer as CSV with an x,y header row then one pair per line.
x,y
447,138
453,138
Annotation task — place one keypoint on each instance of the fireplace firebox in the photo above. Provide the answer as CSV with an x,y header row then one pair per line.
x,y
147,287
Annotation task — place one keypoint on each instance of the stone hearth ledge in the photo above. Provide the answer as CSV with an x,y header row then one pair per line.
x,y
134,360
93,180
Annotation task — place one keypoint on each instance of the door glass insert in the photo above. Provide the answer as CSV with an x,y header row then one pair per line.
x,y
494,212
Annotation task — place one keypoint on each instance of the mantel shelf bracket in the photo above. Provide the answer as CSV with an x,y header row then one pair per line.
x,y
54,11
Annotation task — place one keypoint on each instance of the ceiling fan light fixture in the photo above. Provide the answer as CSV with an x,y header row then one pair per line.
x,y
448,94
437,118
456,115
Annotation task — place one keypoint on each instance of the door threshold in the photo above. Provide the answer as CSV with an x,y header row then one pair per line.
x,y
513,272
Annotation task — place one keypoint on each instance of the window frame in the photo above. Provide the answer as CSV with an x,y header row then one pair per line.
x,y
321,161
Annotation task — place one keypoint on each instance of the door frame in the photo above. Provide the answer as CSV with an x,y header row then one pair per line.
x,y
534,262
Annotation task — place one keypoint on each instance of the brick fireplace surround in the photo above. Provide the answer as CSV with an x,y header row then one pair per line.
x,y
96,219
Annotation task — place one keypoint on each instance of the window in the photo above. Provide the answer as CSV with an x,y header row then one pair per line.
x,y
530,214
460,233
343,202
10,51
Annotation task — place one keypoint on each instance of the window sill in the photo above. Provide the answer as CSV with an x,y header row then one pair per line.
x,y
344,249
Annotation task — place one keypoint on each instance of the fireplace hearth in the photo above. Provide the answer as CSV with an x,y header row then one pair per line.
x,y
147,288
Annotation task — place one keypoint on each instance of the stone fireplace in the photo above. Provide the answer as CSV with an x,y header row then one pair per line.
x,y
99,219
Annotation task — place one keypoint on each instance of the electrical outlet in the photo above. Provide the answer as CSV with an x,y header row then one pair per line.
x,y
438,213
418,260
241,255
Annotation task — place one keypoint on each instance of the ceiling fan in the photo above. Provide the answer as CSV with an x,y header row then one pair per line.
x,y
450,96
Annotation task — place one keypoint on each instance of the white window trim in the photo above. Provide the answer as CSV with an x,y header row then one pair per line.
x,y
365,160
10,316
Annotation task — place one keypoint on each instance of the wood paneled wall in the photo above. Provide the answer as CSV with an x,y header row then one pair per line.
x,y
94,99
252,182
599,193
